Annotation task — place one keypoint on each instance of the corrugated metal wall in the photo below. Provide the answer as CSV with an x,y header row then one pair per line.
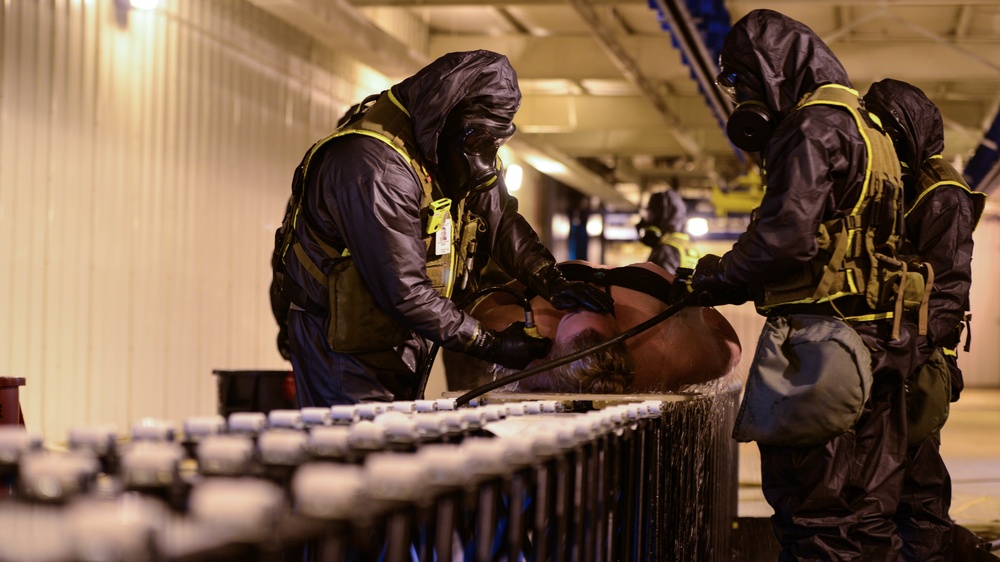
x,y
145,159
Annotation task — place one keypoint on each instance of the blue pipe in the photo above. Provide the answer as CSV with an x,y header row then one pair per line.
x,y
985,161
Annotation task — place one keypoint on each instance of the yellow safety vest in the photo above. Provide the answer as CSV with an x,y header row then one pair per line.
x,y
388,121
858,254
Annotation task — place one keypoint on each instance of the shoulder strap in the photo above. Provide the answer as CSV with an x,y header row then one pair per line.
x,y
935,172
634,278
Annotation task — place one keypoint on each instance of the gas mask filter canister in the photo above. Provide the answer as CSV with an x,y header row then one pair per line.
x,y
751,125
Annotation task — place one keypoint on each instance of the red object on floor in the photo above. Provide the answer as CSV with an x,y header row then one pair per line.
x,y
10,404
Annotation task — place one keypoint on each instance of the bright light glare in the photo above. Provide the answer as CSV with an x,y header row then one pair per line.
x,y
512,177
144,4
595,225
697,226
546,165
560,227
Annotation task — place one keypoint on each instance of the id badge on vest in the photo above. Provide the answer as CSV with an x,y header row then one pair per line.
x,y
442,238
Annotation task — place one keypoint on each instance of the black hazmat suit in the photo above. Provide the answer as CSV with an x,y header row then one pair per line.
x,y
361,193
834,501
940,215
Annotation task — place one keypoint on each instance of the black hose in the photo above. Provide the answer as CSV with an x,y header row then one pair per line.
x,y
688,300
428,364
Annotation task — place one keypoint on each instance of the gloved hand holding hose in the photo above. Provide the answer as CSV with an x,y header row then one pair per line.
x,y
709,277
513,348
564,294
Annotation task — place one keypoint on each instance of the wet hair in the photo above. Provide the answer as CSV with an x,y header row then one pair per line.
x,y
608,371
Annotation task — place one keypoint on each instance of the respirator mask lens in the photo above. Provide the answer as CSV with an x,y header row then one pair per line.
x,y
726,81
480,141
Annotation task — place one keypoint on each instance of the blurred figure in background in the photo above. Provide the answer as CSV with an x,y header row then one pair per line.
x,y
662,229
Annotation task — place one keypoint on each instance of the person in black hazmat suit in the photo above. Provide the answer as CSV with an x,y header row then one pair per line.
x,y
825,406
940,214
394,207
662,229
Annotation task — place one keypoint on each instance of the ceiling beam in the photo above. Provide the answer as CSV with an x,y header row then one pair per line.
x,y
488,3
554,163
734,5
338,24
631,70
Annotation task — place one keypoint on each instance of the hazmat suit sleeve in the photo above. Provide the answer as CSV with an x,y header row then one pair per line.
x,y
944,223
810,178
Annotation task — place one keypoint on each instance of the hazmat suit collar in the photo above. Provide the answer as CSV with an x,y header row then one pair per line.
x,y
788,58
481,85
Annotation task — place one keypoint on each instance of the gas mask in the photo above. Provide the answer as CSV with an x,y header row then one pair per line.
x,y
752,122
890,121
468,160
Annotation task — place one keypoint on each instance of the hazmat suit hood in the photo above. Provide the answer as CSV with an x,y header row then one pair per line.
x,y
667,211
915,116
481,86
787,58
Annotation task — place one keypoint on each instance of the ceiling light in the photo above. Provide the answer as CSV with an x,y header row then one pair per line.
x,y
595,225
546,165
560,227
697,226
512,177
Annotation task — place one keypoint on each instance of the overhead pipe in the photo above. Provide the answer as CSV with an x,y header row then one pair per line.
x,y
983,169
676,19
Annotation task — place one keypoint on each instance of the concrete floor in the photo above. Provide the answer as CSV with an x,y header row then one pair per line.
x,y
970,444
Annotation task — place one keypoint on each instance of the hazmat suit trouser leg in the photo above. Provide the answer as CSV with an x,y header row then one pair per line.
x,y
836,501
326,378
922,517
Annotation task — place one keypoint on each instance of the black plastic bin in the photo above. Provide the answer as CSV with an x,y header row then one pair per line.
x,y
255,391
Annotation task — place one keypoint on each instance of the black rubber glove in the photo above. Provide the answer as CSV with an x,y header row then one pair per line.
x,y
681,286
710,278
564,294
511,348
648,234
284,348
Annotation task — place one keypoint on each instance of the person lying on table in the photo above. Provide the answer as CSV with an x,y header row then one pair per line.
x,y
694,346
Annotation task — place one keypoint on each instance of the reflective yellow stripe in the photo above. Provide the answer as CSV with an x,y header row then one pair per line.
x,y
861,130
870,317
808,300
397,103
932,187
926,192
378,136
949,352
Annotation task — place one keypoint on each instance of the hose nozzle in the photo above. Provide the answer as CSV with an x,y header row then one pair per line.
x,y
529,324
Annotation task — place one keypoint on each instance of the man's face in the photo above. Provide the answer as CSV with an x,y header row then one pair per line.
x,y
573,323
